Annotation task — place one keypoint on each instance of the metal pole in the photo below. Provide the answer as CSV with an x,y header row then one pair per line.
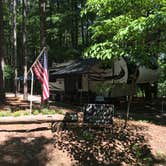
x,y
32,79
36,59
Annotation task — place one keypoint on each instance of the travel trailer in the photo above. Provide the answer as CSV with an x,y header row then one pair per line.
x,y
88,77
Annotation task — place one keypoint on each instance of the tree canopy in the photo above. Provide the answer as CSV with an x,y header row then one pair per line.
x,y
127,28
104,29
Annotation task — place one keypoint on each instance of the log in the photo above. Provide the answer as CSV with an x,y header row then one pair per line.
x,y
31,119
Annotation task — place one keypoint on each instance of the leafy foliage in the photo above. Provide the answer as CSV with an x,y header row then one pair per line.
x,y
9,71
127,28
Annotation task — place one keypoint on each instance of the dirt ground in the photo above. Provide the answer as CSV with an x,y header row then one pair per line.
x,y
156,136
37,145
21,146
143,142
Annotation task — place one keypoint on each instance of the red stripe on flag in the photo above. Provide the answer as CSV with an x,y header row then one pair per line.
x,y
42,76
45,85
38,71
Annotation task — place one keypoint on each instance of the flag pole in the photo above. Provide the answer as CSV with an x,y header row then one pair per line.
x,y
32,80
36,60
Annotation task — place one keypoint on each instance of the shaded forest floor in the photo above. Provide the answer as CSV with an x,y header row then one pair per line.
x,y
143,142
36,145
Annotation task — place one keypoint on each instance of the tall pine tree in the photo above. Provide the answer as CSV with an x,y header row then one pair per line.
x,y
2,54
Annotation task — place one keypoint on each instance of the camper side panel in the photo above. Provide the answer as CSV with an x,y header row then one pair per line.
x,y
58,85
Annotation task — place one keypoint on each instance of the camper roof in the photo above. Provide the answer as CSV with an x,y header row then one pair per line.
x,y
77,67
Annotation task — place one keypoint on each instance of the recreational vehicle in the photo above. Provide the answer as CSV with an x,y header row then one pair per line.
x,y
88,77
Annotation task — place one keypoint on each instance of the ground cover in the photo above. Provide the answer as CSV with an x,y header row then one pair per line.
x,y
141,143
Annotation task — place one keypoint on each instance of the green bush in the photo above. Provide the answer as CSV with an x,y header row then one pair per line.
x,y
8,113
2,113
35,112
17,113
25,113
5,113
9,72
44,111
162,88
60,112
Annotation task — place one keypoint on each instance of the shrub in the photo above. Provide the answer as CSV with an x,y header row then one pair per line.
x,y
162,88
26,112
17,113
8,113
45,111
60,112
35,112
2,113
5,113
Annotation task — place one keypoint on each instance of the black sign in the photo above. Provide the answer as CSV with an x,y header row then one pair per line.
x,y
98,113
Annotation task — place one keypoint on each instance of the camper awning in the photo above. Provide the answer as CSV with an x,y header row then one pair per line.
x,y
77,67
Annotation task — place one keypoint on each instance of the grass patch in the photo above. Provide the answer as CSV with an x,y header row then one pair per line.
x,y
46,111
4,113
18,113
35,112
60,112
160,155
26,112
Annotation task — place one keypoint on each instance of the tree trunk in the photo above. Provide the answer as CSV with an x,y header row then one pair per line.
x,y
74,23
133,86
82,25
42,8
87,32
15,46
9,36
24,51
82,32
2,55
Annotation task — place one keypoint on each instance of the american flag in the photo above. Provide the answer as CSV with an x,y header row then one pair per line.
x,y
40,69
